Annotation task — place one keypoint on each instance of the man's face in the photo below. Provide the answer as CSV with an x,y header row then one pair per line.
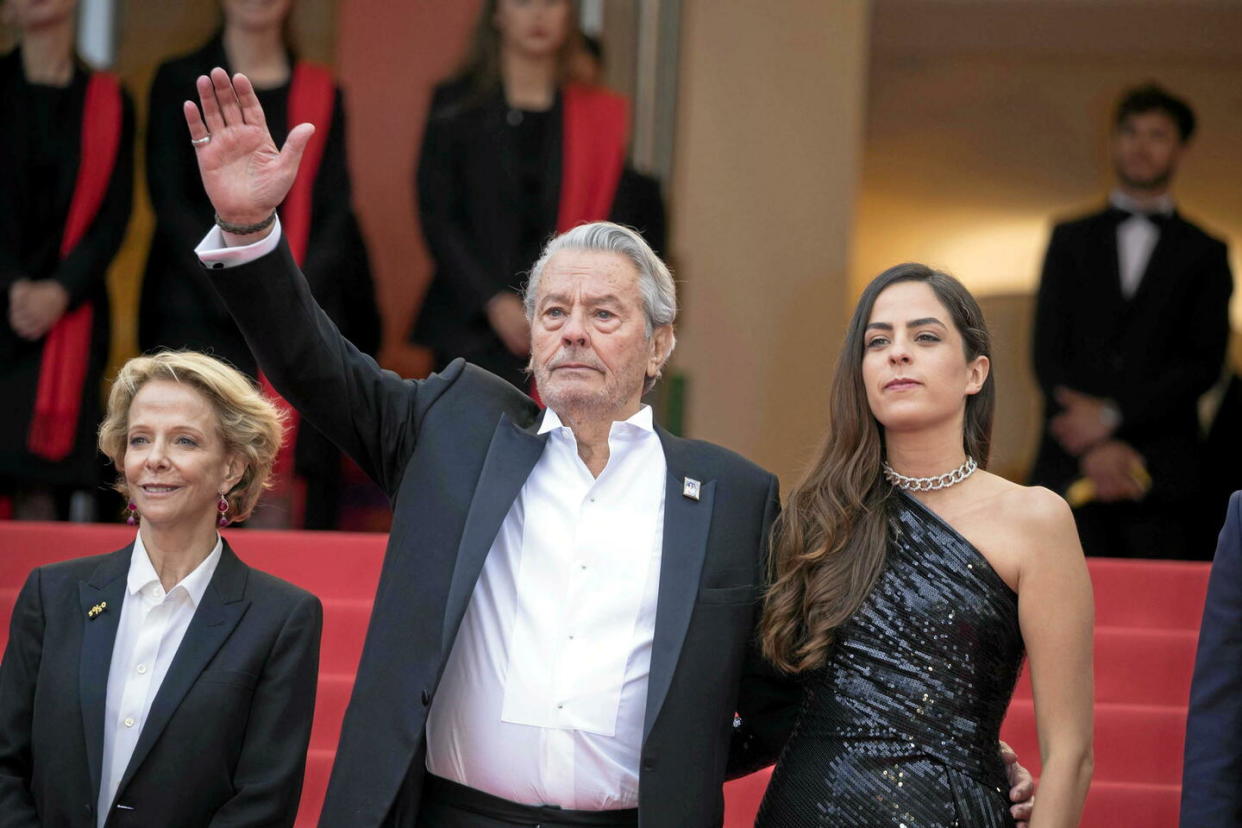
x,y
590,353
1146,149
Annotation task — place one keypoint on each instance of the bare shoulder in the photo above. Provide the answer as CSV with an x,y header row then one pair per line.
x,y
1039,509
1044,524
1033,517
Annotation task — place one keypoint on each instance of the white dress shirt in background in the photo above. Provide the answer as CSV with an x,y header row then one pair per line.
x,y
543,697
148,634
1136,238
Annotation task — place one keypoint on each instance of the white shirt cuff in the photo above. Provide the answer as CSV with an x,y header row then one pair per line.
x,y
215,254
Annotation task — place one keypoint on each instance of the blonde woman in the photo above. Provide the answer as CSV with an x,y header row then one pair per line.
x,y
166,683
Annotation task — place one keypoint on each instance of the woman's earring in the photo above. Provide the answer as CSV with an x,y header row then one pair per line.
x,y
131,514
222,506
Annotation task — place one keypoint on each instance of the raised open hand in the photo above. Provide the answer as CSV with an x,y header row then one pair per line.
x,y
244,175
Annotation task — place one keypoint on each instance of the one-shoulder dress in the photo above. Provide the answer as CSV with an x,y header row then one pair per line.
x,y
900,726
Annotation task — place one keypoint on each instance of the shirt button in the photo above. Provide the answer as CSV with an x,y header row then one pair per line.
x,y
560,706
582,567
142,669
129,722
571,637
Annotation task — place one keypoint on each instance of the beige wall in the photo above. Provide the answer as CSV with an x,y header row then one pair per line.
x,y
768,142
986,119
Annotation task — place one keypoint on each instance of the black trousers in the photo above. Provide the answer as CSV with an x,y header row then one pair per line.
x,y
447,804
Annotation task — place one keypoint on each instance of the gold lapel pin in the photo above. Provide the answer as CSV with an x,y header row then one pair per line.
x,y
96,610
691,488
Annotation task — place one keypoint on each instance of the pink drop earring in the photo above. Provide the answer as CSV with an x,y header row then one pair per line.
x,y
222,505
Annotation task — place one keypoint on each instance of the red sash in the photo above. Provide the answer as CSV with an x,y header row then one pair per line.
x,y
66,350
597,124
596,131
311,96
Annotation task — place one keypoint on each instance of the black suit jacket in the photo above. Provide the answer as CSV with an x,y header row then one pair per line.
x,y
1153,354
472,211
453,452
225,741
1212,771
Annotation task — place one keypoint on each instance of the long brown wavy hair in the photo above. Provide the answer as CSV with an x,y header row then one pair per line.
x,y
830,543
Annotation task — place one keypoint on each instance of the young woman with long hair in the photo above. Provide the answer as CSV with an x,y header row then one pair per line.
x,y
908,583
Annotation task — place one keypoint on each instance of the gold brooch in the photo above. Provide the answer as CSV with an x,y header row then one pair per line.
x,y
96,610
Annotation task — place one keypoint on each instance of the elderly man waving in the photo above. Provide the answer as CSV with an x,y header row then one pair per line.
x,y
563,626
566,606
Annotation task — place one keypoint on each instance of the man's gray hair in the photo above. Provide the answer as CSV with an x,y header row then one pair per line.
x,y
655,282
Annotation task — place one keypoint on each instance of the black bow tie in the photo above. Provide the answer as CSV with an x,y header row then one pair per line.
x,y
1160,219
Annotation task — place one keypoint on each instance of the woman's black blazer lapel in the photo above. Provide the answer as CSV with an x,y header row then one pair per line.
x,y
100,597
224,603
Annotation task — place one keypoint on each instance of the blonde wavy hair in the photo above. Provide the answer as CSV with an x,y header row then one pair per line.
x,y
250,425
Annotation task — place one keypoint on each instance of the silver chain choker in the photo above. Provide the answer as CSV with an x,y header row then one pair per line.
x,y
930,484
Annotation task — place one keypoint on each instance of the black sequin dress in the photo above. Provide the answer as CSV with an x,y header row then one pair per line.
x,y
900,727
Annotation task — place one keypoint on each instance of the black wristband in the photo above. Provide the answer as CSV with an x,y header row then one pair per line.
x,y
245,229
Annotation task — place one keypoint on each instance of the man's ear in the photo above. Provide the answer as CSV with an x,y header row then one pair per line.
x,y
662,342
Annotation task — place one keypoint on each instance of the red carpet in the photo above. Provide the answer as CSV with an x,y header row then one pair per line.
x,y
1147,617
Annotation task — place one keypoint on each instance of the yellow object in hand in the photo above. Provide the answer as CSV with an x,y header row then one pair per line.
x,y
1082,491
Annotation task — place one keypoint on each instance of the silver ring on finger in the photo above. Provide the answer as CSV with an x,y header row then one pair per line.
x,y
198,142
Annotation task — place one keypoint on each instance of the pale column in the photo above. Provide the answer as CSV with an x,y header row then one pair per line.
x,y
765,174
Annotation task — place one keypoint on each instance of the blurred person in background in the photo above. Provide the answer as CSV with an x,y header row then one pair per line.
x,y
515,150
179,308
66,137
1131,324
166,683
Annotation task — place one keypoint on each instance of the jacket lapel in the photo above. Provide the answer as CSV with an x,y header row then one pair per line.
x,y
105,586
1103,259
1160,263
686,525
222,607
511,456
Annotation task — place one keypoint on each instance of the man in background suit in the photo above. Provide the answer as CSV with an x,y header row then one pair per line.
x,y
1212,772
1131,325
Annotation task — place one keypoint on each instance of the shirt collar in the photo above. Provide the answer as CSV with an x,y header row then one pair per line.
x,y
142,571
1163,205
642,419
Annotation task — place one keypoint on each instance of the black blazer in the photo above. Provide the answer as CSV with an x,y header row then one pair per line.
x,y
1211,793
452,452
1154,354
225,741
471,208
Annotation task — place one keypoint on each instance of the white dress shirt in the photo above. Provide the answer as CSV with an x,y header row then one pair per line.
x,y
148,634
543,696
1136,238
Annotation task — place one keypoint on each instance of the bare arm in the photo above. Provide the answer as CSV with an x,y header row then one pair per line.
x,y
1056,612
